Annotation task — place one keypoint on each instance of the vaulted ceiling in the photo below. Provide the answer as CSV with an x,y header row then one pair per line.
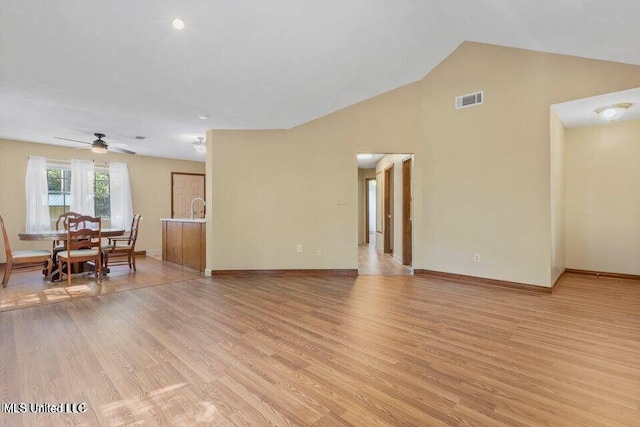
x,y
76,67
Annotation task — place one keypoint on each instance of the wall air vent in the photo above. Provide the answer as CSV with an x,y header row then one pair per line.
x,y
469,100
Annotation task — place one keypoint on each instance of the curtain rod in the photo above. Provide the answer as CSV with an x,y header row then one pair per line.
x,y
69,161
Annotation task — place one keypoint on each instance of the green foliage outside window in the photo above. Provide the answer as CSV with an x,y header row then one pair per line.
x,y
59,184
102,194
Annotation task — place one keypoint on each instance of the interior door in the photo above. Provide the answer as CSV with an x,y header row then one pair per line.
x,y
387,209
407,219
184,188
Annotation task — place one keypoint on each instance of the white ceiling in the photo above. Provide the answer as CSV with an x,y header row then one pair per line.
x,y
368,162
77,67
580,113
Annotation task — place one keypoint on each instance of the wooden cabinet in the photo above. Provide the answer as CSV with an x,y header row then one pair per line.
x,y
184,243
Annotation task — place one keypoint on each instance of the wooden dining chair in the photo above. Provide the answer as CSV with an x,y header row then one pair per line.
x,y
61,223
121,247
84,234
23,259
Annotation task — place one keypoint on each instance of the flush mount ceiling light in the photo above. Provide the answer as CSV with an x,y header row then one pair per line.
x,y
178,24
203,117
200,146
365,156
613,112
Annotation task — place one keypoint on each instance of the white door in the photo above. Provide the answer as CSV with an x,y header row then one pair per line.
x,y
185,188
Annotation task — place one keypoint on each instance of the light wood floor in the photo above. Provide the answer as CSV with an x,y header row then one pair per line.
x,y
330,351
370,261
30,288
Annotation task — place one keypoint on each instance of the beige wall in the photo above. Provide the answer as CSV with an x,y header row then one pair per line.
x,y
482,178
150,187
558,150
363,174
486,175
396,203
603,198
273,189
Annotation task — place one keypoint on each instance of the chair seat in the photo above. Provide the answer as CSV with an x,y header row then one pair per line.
x,y
31,254
109,248
78,253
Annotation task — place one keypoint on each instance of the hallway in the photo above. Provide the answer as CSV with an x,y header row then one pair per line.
x,y
370,261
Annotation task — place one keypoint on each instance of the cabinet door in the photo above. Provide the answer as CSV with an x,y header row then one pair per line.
x,y
173,242
192,245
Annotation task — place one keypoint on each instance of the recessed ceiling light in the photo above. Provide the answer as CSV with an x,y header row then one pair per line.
x,y
178,24
203,117
613,112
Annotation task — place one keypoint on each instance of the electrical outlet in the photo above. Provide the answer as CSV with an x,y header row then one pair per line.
x,y
319,252
476,257
342,201
299,249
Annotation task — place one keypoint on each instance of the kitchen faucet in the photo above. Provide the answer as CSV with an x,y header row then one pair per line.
x,y
193,212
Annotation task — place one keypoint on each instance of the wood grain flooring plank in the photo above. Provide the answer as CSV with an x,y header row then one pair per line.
x,y
322,350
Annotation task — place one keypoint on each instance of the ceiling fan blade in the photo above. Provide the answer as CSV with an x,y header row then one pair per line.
x,y
120,150
72,140
119,143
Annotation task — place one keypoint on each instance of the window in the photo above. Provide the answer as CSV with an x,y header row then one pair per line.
x,y
102,192
59,183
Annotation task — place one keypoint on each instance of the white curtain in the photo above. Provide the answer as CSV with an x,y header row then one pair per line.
x,y
82,196
120,195
37,192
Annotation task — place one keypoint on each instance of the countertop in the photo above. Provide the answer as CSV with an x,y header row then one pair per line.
x,y
200,220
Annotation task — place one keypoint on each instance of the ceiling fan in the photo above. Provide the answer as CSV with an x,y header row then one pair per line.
x,y
99,146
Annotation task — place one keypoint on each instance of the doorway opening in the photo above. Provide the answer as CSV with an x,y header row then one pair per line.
x,y
385,234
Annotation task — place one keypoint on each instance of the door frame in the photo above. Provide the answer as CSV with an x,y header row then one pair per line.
x,y
367,230
193,174
407,220
387,209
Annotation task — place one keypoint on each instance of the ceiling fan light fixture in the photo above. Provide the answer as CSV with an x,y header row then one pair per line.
x,y
99,149
613,112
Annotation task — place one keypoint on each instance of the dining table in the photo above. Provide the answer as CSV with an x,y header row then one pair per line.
x,y
61,235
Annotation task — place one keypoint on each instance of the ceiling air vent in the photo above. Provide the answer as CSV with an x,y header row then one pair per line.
x,y
469,100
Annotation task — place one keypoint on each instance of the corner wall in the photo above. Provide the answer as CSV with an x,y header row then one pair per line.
x,y
558,197
487,177
603,198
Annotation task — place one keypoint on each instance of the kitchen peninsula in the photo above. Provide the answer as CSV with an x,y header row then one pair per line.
x,y
183,242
